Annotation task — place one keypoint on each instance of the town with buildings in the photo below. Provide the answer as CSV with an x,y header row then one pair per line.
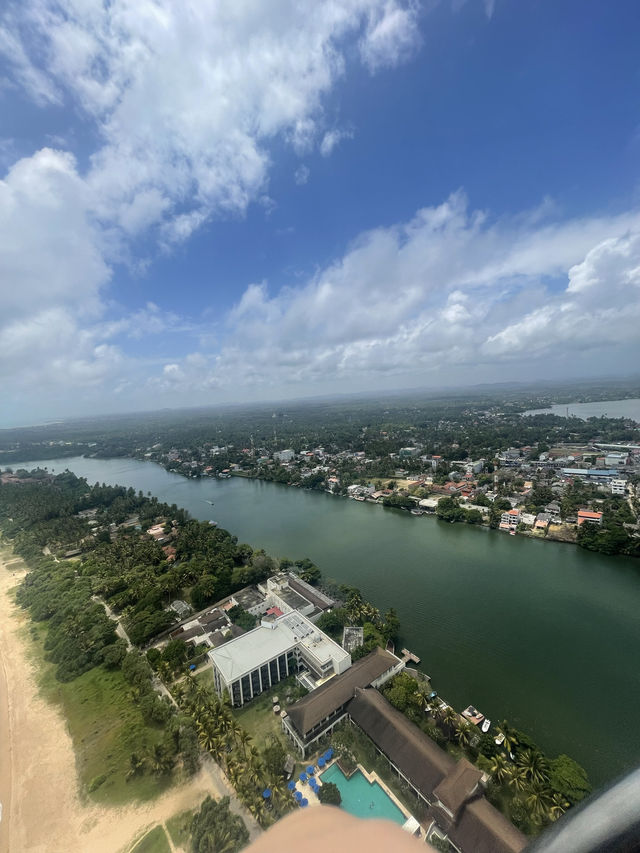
x,y
548,494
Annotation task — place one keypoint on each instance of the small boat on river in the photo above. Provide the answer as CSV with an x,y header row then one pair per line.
x,y
485,725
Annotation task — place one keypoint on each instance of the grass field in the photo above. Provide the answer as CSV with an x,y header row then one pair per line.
x,y
179,827
257,716
105,726
153,842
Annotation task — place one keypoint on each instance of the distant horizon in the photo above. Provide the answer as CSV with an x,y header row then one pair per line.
x,y
425,392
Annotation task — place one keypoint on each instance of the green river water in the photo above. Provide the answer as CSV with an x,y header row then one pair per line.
x,y
544,634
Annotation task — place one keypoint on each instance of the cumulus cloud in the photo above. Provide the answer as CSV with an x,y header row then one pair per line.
x,y
186,103
450,289
391,34
188,98
50,249
333,138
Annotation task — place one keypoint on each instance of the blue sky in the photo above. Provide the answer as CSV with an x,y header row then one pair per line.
x,y
220,201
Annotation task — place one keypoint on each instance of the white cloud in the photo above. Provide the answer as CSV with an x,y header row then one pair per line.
x,y
391,34
333,138
448,291
188,98
600,306
51,252
301,175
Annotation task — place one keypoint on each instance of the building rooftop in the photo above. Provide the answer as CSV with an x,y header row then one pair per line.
x,y
264,643
314,707
479,827
248,597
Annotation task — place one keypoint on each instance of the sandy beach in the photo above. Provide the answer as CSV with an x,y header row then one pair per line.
x,y
41,808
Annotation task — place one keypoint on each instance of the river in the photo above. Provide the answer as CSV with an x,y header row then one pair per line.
x,y
601,408
544,634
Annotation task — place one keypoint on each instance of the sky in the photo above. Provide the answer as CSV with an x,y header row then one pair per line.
x,y
230,200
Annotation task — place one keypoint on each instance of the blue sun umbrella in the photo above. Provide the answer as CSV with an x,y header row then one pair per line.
x,y
304,803
266,793
303,777
298,795
291,785
322,761
310,770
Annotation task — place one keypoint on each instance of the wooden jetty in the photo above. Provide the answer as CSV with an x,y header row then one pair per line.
x,y
409,656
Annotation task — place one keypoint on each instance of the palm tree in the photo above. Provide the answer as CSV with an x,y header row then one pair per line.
x,y
136,765
206,737
500,767
558,806
244,739
257,809
217,747
539,801
354,606
219,839
435,709
161,761
517,778
449,719
164,671
510,737
534,766
465,733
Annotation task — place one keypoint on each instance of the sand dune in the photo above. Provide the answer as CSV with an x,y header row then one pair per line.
x,y
41,809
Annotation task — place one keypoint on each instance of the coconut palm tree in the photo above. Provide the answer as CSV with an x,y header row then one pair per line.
x,y
465,733
534,766
558,806
207,737
435,708
510,737
500,768
539,801
161,761
258,810
449,719
244,739
517,778
164,671
136,765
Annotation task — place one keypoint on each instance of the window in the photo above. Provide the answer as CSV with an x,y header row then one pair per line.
x,y
246,688
282,666
255,682
273,669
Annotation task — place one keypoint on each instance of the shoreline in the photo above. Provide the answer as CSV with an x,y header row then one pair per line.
x,y
42,810
528,534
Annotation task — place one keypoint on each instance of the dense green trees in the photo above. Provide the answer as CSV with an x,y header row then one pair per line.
x,y
329,794
215,829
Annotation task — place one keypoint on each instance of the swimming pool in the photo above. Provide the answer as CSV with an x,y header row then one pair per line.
x,y
362,798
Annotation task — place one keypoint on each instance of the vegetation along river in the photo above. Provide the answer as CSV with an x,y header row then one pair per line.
x,y
544,634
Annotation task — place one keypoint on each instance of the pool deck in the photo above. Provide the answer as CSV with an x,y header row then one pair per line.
x,y
371,778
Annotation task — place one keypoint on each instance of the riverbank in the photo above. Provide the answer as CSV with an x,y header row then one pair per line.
x,y
42,810
518,628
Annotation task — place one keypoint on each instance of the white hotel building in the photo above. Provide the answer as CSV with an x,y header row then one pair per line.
x,y
278,647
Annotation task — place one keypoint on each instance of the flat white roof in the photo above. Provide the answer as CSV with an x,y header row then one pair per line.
x,y
244,654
